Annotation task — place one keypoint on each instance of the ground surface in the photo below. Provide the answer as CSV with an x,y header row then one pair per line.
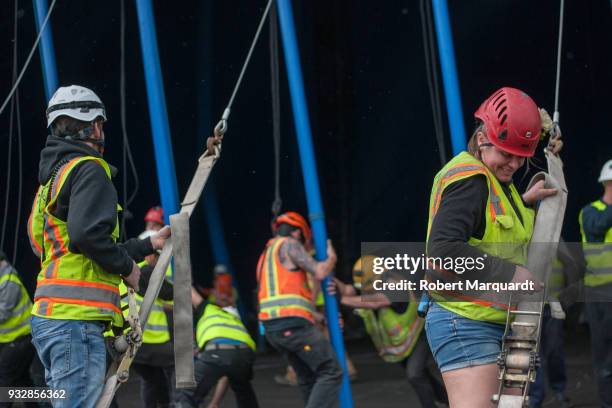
x,y
383,385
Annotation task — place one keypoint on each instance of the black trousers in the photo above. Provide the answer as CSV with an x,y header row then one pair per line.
x,y
311,356
599,316
15,360
211,365
154,363
423,374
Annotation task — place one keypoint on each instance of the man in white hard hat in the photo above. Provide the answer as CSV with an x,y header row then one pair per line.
x,y
73,228
596,229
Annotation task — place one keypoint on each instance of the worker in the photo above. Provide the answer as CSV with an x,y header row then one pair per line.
x,y
16,348
73,228
596,228
154,219
395,329
475,210
286,308
551,370
225,349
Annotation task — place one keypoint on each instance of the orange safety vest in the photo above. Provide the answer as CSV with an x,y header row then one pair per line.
x,y
282,293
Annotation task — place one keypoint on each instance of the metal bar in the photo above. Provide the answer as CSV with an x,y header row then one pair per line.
x,y
449,75
158,114
47,52
311,180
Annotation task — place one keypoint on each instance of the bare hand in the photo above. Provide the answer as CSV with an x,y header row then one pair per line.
x,y
159,238
331,252
332,287
537,192
522,275
133,279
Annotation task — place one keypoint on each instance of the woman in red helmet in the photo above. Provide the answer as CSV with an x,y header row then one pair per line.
x,y
476,212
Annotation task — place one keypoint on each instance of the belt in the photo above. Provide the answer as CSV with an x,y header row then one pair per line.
x,y
225,346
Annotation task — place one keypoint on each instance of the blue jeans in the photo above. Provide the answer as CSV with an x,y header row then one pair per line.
x,y
458,342
552,360
74,356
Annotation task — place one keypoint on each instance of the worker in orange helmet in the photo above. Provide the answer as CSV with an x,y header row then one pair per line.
x,y
286,308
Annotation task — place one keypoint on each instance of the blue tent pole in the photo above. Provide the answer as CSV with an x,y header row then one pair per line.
x,y
47,53
217,242
444,35
210,203
449,75
157,110
311,181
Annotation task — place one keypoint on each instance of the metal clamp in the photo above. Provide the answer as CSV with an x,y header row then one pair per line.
x,y
221,127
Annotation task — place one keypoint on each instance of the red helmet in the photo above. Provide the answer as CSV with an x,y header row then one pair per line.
x,y
156,215
512,120
222,281
296,220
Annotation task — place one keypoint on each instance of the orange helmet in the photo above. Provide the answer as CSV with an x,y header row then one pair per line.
x,y
223,280
296,220
156,215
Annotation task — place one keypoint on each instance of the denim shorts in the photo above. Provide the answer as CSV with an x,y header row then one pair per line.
x,y
458,342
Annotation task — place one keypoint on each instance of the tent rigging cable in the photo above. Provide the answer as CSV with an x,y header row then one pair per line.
x,y
14,109
29,58
558,76
221,127
127,151
431,70
275,93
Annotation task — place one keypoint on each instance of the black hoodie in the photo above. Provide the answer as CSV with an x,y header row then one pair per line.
x,y
88,203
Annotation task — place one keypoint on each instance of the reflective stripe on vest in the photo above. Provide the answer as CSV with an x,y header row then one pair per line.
x,y
18,322
394,335
282,293
70,285
505,236
217,323
598,255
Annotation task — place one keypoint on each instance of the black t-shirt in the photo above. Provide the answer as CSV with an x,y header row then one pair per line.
x,y
462,215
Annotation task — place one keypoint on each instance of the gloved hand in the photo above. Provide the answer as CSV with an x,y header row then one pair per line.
x,y
556,311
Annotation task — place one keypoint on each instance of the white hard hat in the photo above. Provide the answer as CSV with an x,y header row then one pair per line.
x,y
606,172
77,102
220,269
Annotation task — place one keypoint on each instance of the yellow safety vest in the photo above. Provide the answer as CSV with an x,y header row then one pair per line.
x,y
505,236
598,255
18,324
217,323
556,280
394,335
156,330
70,285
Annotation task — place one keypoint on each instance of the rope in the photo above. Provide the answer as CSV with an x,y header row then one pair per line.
x,y
127,151
221,127
276,124
558,79
431,68
14,101
29,58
